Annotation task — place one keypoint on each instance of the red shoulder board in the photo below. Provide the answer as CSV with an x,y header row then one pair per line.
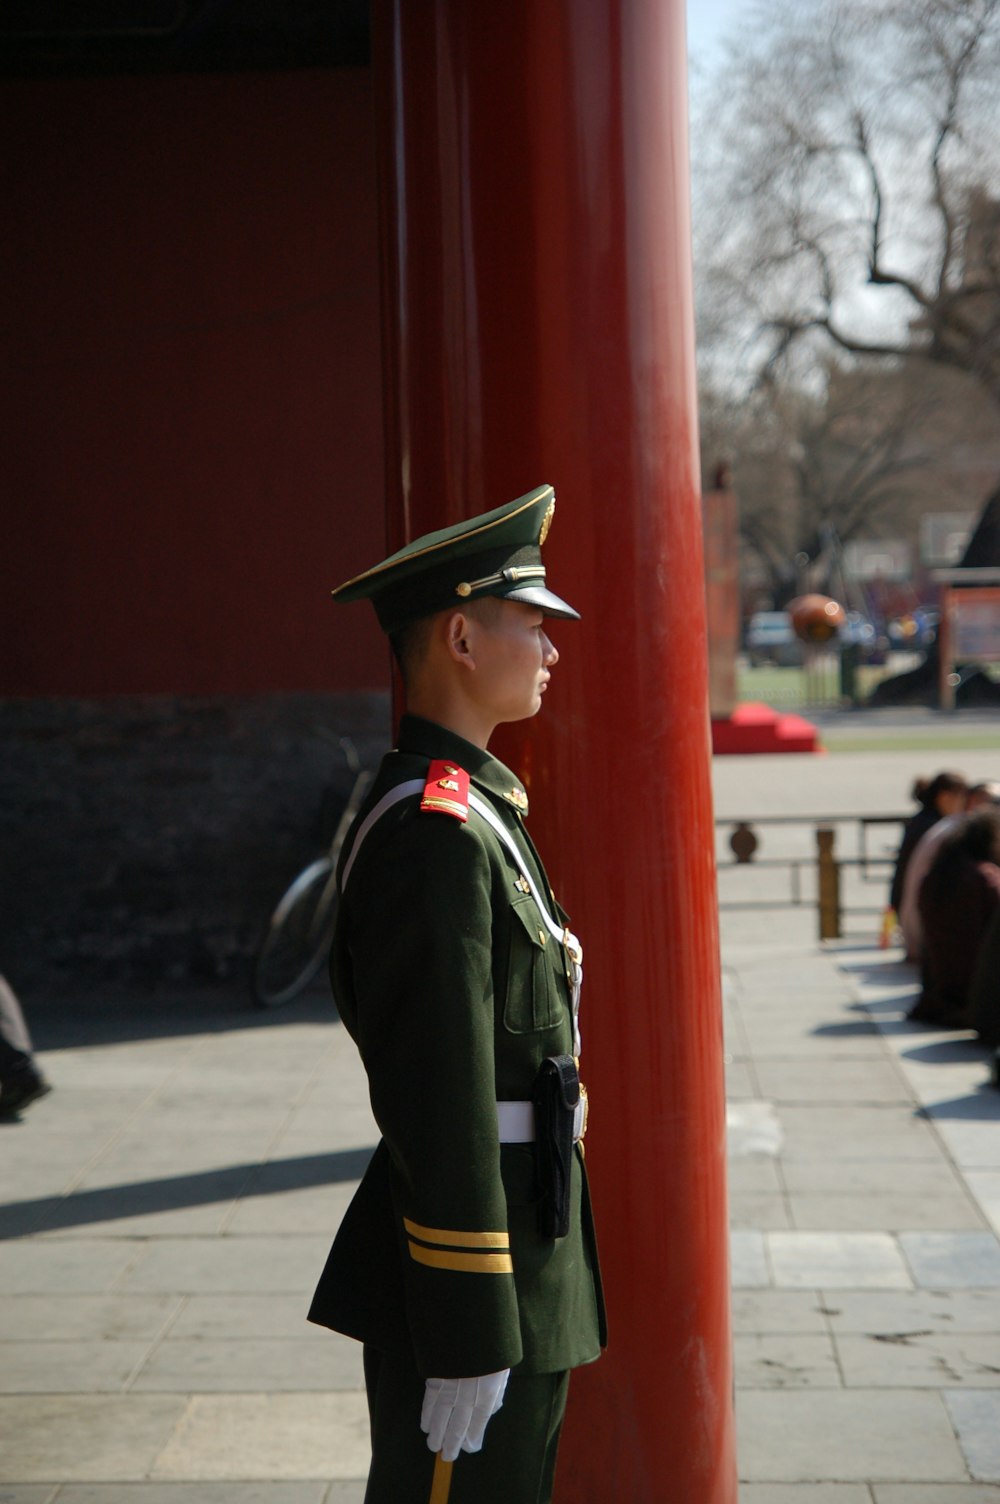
x,y
447,790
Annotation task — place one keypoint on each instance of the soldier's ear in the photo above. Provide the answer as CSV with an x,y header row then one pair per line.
x,y
458,639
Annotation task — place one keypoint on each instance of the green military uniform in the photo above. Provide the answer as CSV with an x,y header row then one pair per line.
x,y
451,981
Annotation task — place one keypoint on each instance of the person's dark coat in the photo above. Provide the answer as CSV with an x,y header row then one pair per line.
x,y
984,993
913,831
955,914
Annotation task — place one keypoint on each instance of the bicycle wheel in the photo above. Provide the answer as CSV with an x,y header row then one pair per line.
x,y
298,936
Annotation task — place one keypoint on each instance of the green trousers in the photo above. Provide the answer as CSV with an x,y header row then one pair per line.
x,y
516,1465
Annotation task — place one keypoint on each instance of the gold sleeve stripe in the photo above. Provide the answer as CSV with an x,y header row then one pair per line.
x,y
456,1239
464,1263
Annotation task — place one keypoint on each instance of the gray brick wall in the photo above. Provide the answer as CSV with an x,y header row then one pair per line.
x,y
147,839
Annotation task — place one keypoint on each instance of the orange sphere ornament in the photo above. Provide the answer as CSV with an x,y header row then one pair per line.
x,y
816,618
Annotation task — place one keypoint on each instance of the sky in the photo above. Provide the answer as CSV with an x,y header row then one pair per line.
x,y
708,21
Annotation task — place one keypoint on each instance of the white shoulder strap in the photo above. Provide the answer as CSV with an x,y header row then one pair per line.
x,y
401,791
574,950
557,931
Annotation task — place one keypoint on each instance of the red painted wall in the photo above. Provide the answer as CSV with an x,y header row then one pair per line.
x,y
190,384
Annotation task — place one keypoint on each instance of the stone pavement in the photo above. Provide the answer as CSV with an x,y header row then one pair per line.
x,y
167,1209
864,1178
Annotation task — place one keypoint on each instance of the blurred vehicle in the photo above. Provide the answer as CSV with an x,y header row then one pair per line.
x,y
916,630
770,638
857,631
860,633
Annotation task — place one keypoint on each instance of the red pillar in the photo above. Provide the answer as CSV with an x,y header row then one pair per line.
x,y
538,316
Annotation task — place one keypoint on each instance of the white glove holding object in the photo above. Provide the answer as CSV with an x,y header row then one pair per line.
x,y
455,1412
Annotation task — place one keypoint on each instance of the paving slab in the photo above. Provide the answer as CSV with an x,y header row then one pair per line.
x,y
960,1260
81,1318
905,1312
973,1145
805,1493
277,1436
230,1264
870,1174
219,1316
28,1493
138,1157
68,1367
856,1082
837,1260
740,1081
752,1128
754,1172
85,1266
831,1435
933,1360
54,1145
192,1493
936,1493
861,1131
776,1312
887,1209
749,1268
274,1364
976,1415
785,1362
311,1211
758,1209
985,1186
76,1438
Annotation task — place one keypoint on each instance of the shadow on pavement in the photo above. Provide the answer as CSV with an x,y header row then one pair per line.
x,y
948,1052
145,1197
77,1020
843,1031
982,1106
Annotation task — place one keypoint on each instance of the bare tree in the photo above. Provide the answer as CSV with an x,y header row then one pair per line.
x,y
853,460
847,179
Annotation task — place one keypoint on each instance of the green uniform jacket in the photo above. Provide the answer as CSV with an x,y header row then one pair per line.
x,y
454,992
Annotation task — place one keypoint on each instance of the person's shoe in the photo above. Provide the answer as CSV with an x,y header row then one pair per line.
x,y
17,1092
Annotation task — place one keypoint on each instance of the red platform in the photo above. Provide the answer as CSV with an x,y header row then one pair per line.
x,y
758,728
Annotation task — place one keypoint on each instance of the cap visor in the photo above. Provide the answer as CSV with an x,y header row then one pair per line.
x,y
545,600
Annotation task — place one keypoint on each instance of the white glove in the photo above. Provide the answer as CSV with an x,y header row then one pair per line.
x,y
455,1412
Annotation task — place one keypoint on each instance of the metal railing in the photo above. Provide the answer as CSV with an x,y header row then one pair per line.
x,y
824,860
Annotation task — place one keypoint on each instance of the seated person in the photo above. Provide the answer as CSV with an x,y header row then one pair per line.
x,y
922,859
937,797
958,900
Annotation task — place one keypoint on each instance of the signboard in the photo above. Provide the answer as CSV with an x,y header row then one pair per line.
x,y
975,625
969,632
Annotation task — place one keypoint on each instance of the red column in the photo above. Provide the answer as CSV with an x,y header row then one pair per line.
x,y
538,316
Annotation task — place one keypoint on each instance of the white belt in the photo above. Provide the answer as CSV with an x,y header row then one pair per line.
x,y
516,1120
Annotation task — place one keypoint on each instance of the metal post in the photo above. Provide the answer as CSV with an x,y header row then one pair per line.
x,y
828,884
539,327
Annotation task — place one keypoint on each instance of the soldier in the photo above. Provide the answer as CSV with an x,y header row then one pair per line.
x,y
466,1262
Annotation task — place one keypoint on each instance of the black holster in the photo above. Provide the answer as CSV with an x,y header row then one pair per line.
x,y
555,1095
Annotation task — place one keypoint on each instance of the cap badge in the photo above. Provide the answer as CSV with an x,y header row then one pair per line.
x,y
547,522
